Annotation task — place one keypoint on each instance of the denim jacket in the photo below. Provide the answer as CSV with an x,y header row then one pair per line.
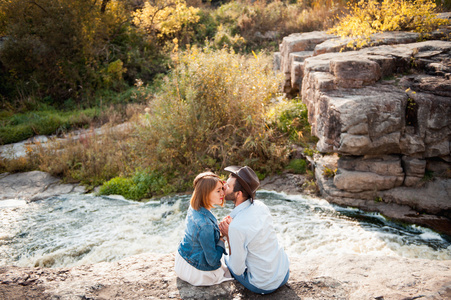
x,y
200,245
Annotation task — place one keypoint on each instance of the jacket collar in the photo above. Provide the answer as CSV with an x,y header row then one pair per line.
x,y
207,213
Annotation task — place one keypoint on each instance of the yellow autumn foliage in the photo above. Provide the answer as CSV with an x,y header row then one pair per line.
x,y
165,18
372,16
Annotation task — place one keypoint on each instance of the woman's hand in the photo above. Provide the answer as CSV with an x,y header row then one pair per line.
x,y
224,225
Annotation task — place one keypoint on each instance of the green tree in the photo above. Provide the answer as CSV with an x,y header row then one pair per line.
x,y
65,48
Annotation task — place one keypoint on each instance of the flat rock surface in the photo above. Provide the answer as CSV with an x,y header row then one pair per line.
x,y
286,182
151,276
32,186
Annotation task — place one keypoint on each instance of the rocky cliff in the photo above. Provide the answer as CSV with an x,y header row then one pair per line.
x,y
385,112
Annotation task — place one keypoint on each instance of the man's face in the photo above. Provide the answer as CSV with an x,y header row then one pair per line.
x,y
228,189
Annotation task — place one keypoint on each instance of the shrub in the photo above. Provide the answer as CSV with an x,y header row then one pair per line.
x,y
224,37
210,112
310,152
275,19
120,186
143,184
372,16
329,173
206,28
166,20
297,166
290,117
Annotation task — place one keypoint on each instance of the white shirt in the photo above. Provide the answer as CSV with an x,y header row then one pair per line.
x,y
254,245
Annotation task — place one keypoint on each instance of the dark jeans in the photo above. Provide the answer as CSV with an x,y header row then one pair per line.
x,y
244,280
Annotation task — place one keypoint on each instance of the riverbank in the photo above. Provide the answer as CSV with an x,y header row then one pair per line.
x,y
151,276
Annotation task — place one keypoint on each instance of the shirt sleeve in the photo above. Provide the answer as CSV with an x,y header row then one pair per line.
x,y
213,251
238,249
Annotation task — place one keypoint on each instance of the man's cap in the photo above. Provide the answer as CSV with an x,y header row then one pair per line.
x,y
247,178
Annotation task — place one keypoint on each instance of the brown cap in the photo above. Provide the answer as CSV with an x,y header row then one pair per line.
x,y
247,178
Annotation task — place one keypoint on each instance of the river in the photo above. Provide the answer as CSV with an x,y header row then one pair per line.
x,y
76,229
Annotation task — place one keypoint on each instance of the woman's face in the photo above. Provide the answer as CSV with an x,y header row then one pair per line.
x,y
216,197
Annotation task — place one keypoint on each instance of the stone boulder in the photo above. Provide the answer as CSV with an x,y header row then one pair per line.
x,y
296,47
369,173
293,50
33,186
354,114
427,204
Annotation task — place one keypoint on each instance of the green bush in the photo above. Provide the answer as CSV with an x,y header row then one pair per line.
x,y
297,166
310,152
290,117
12,134
143,184
120,186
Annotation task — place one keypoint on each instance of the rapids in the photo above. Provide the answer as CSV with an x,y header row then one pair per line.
x,y
78,229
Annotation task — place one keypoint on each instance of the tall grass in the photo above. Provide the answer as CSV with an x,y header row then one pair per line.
x,y
90,158
210,113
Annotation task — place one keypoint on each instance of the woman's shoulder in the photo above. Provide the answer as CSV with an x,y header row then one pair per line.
x,y
202,215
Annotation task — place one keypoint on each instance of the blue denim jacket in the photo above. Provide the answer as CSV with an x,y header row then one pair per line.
x,y
200,245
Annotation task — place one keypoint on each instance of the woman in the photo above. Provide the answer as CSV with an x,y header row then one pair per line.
x,y
198,259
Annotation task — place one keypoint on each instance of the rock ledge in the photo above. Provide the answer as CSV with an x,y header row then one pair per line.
x,y
151,276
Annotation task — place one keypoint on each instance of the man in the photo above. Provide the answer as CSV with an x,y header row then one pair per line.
x,y
256,258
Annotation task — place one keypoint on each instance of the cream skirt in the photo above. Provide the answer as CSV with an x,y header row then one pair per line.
x,y
196,277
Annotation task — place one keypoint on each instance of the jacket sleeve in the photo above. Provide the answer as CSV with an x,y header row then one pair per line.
x,y
238,249
213,251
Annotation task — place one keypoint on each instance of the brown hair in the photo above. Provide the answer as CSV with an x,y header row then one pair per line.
x,y
238,187
204,184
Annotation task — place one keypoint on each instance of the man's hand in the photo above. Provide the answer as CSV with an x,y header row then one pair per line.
x,y
224,225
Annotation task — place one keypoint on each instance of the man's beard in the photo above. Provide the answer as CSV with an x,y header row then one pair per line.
x,y
230,197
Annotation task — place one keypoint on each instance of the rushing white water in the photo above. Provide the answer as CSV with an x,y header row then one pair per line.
x,y
73,229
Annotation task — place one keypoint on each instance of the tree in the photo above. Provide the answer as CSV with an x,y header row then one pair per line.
x,y
65,48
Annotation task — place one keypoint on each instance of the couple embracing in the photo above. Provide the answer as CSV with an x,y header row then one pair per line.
x,y
254,257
